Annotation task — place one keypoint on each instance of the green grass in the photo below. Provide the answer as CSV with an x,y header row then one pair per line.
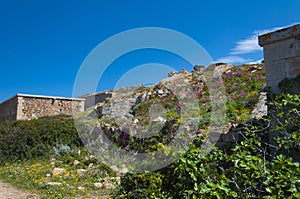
x,y
36,174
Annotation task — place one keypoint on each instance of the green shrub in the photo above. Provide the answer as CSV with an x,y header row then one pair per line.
x,y
144,185
21,140
254,168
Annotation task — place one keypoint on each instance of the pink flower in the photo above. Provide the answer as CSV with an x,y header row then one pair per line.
x,y
242,95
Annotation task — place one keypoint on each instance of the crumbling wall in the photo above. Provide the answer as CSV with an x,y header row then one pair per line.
x,y
8,109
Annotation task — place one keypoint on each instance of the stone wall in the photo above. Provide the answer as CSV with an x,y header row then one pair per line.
x,y
281,55
94,98
27,107
8,109
35,107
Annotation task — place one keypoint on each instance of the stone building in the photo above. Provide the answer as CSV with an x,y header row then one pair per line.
x,y
27,107
281,55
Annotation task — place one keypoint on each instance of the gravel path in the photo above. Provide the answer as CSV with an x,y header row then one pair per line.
x,y
8,191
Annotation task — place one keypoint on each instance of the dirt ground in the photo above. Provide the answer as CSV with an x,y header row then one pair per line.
x,y
8,191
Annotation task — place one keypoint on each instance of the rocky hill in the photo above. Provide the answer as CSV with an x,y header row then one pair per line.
x,y
209,100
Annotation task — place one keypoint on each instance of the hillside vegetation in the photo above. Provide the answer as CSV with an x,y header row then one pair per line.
x,y
253,167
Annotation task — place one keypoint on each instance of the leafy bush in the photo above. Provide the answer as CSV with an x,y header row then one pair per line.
x,y
21,140
144,185
264,165
62,150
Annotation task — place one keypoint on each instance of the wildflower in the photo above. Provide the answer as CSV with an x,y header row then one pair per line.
x,y
242,95
125,137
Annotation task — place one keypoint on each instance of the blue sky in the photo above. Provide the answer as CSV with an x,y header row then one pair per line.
x,y
43,43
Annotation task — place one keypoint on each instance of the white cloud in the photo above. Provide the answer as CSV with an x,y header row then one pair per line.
x,y
250,44
233,59
247,45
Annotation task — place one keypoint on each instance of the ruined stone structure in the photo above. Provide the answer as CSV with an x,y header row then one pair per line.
x,y
281,55
94,98
27,107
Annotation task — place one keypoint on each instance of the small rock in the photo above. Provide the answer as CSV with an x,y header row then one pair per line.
x,y
183,70
98,185
53,183
80,171
81,188
91,165
170,74
110,186
76,162
114,168
124,170
58,171
159,119
160,92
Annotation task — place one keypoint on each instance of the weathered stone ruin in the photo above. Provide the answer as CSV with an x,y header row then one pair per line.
x,y
281,55
27,107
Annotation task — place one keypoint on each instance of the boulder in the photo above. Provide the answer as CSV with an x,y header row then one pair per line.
x,y
260,108
58,171
198,68
218,67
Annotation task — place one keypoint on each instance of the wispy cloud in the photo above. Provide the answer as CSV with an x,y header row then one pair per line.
x,y
250,44
233,59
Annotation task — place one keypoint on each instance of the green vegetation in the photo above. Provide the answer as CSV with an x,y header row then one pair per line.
x,y
252,169
255,167
30,150
22,140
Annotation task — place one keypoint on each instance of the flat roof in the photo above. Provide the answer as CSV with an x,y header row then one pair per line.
x,y
43,96
278,35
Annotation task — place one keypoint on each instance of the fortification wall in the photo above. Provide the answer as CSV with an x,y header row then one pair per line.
x,y
8,109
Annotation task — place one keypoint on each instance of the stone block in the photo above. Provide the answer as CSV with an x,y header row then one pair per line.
x,y
281,50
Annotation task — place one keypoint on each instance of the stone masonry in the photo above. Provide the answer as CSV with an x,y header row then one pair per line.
x,y
27,107
93,98
281,55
